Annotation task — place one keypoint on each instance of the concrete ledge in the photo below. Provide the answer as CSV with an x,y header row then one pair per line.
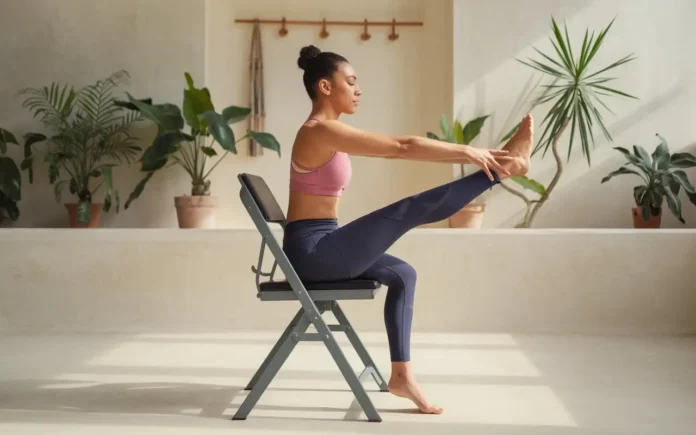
x,y
494,280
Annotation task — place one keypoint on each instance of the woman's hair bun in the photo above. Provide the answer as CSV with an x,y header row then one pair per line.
x,y
306,55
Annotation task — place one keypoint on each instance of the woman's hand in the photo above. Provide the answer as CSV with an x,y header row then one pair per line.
x,y
486,159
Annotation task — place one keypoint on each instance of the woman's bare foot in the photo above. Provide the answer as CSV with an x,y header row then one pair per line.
x,y
403,384
520,147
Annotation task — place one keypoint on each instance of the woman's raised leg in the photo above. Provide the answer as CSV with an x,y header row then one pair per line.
x,y
361,242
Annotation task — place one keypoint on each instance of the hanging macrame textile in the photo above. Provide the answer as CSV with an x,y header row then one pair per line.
x,y
256,94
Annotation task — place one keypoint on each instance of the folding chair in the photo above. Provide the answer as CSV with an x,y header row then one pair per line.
x,y
315,298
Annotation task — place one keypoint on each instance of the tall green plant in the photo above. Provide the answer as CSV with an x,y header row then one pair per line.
x,y
191,150
10,179
576,96
662,178
90,136
576,92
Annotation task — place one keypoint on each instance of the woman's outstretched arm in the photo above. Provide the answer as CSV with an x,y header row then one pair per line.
x,y
341,137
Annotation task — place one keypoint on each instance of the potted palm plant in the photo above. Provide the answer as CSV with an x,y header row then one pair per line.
x,y
662,178
10,180
192,149
90,136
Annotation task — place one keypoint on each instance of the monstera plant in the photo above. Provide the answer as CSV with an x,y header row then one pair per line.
x,y
662,178
10,179
192,149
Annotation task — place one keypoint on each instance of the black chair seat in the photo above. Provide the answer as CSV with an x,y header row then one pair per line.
x,y
354,284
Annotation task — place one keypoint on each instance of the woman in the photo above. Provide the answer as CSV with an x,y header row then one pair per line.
x,y
320,250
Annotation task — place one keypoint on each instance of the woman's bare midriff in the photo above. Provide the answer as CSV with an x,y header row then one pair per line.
x,y
307,206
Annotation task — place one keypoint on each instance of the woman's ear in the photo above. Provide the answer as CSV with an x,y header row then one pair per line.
x,y
324,87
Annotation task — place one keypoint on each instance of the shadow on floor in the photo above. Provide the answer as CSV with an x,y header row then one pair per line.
x,y
205,405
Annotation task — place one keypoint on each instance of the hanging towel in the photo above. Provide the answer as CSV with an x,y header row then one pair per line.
x,y
256,94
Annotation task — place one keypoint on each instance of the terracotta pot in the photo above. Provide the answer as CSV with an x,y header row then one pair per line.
x,y
652,222
95,212
471,216
196,211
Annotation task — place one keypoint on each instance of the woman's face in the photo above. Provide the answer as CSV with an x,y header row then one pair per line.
x,y
343,91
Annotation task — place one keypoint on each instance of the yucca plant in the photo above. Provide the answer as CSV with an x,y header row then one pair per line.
x,y
662,178
91,136
577,95
10,179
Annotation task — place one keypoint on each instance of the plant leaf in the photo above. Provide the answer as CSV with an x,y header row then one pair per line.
x,y
472,129
109,183
58,189
196,102
155,156
209,151
634,160
661,156
166,116
458,132
626,59
266,140
222,132
683,179
445,128
638,194
622,171
234,114
682,160
30,139
431,135
138,189
10,179
692,197
530,184
83,212
613,91
6,137
641,153
673,202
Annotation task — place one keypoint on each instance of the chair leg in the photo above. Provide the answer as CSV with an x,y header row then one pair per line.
x,y
370,366
347,371
272,367
275,349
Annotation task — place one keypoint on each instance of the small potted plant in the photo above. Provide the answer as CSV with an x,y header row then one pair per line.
x,y
662,178
192,150
471,215
91,136
10,180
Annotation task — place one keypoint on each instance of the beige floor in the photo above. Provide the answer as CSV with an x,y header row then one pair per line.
x,y
488,384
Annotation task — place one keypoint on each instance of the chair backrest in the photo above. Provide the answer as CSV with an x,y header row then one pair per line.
x,y
264,209
263,197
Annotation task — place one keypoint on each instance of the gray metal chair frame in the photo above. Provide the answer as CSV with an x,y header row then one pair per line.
x,y
315,299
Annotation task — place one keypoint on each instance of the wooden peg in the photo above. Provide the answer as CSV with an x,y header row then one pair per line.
x,y
365,36
393,36
324,34
283,31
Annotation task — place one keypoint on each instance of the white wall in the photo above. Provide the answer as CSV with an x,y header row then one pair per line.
x,y
487,79
406,85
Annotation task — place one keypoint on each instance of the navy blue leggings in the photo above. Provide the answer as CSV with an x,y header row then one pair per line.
x,y
320,250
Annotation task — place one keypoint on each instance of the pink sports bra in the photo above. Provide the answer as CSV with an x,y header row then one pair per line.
x,y
330,179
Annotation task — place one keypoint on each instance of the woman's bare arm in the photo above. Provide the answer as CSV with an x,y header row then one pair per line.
x,y
341,137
